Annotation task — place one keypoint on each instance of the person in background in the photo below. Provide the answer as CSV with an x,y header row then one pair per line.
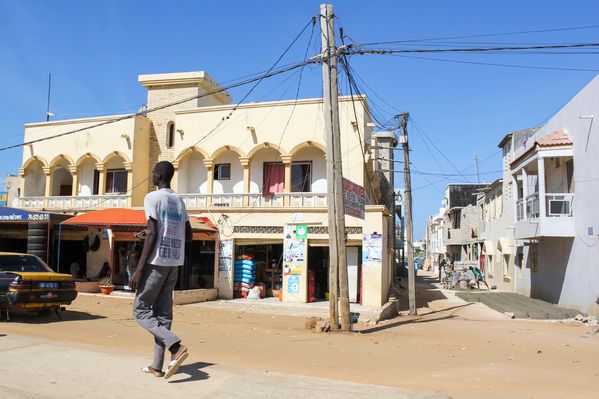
x,y
75,270
155,277
131,263
105,271
122,260
478,276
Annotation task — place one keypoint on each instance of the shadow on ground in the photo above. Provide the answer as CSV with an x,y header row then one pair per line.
x,y
194,372
521,306
49,317
426,292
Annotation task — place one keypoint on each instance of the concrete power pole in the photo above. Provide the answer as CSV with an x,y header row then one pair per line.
x,y
477,174
409,226
338,281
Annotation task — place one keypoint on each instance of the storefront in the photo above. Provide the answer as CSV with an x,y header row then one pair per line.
x,y
30,232
116,246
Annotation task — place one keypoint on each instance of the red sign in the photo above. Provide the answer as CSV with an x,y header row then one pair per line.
x,y
354,199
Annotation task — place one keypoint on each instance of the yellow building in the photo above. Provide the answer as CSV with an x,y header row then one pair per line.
x,y
256,170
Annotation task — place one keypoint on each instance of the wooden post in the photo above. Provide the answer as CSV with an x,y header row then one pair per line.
x,y
409,226
338,282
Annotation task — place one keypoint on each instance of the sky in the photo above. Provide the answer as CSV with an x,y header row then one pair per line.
x,y
459,108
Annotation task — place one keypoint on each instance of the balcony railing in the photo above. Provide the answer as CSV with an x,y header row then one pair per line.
x,y
77,203
559,204
556,205
532,206
255,200
520,209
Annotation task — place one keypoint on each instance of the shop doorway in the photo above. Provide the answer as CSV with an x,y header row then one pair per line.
x,y
125,257
198,270
269,265
72,258
318,273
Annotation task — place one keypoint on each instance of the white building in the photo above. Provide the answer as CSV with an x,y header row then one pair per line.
x,y
555,186
435,247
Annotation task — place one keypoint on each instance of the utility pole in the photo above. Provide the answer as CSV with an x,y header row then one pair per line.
x,y
477,174
409,226
338,281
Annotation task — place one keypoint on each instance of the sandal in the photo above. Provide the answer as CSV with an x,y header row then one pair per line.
x,y
150,370
174,364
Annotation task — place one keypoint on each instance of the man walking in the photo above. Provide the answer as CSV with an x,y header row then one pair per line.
x,y
167,231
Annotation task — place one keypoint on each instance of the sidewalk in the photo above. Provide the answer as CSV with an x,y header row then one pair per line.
x,y
273,306
40,369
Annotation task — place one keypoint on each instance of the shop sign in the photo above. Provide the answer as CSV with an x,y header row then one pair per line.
x,y
3,198
225,259
293,284
301,231
354,199
372,250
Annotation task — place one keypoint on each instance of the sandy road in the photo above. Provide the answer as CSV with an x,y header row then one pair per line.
x,y
464,350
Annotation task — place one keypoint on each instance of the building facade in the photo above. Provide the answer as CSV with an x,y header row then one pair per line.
x,y
554,176
256,170
462,224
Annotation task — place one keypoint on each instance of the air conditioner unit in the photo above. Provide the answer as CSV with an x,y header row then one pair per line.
x,y
559,207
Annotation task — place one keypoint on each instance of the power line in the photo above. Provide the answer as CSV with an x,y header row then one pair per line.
x,y
498,64
486,35
350,49
154,109
437,148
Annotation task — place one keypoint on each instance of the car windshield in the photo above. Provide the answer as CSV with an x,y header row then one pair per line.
x,y
22,263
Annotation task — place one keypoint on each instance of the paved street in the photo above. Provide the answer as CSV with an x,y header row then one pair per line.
x,y
67,370
521,306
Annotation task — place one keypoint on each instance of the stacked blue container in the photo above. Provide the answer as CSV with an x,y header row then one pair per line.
x,y
244,276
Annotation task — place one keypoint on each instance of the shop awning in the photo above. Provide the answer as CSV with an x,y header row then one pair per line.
x,y
16,215
107,218
200,223
115,217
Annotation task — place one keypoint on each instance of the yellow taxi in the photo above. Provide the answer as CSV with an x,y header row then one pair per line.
x,y
27,283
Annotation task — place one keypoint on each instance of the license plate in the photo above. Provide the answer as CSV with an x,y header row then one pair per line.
x,y
48,285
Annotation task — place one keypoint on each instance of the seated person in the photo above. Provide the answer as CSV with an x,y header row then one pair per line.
x,y
105,271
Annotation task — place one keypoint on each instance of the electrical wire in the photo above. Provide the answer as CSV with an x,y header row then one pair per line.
x,y
498,64
486,35
154,109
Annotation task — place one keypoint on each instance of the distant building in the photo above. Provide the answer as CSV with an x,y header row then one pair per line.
x,y
462,223
9,197
435,247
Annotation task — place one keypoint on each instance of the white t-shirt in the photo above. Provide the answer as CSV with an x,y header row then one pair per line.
x,y
167,208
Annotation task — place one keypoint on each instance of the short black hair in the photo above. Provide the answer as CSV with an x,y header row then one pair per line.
x,y
165,170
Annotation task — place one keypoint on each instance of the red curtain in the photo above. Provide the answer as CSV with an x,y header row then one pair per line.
x,y
274,178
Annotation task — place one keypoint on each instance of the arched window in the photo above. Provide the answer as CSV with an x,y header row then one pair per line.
x,y
170,134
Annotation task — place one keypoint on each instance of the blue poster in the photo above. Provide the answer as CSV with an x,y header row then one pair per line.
x,y
293,284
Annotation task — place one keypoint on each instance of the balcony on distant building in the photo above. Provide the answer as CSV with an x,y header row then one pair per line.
x,y
544,198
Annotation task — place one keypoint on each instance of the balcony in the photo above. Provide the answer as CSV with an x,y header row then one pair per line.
x,y
67,203
255,200
554,219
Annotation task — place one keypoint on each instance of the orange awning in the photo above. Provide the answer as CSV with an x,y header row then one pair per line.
x,y
114,217
108,218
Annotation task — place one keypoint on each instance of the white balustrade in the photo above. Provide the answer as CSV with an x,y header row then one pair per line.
x,y
76,203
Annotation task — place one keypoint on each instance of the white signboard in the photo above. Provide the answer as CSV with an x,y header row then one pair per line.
x,y
354,199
